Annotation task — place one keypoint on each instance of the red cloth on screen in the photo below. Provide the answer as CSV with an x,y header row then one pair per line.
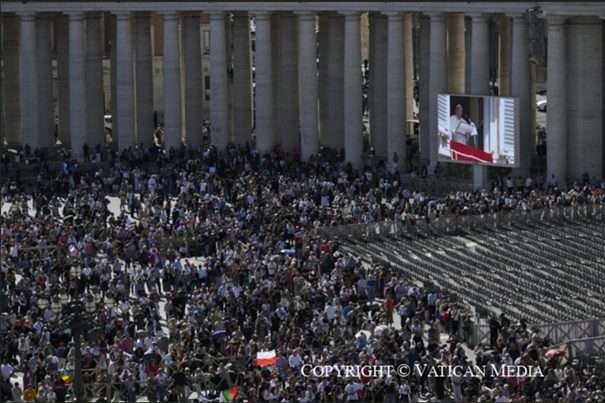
x,y
461,152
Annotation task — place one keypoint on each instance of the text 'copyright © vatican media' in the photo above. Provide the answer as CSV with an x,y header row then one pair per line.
x,y
421,370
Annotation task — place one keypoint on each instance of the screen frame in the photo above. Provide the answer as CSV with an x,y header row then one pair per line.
x,y
517,134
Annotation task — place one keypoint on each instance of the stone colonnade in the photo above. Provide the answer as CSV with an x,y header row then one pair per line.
x,y
307,85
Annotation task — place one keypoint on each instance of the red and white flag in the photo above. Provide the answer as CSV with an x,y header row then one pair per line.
x,y
266,358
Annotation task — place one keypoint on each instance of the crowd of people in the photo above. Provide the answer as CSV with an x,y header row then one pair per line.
x,y
211,257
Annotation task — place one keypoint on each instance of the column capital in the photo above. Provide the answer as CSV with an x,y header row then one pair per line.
x,y
170,15
75,15
305,14
241,14
583,20
518,17
93,14
190,14
43,16
287,14
349,15
478,17
27,15
394,15
216,15
142,15
437,16
122,15
555,21
262,15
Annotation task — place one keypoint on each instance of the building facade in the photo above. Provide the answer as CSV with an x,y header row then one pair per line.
x,y
291,74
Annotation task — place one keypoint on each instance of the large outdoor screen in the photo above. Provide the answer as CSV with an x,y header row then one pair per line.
x,y
478,129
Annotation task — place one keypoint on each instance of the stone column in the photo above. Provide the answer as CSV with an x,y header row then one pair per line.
x,y
335,137
242,78
113,54
264,83
307,83
371,63
172,81
194,94
556,87
438,73
521,87
408,60
479,67
352,90
219,112
276,77
532,102
585,98
505,56
95,94
288,88
144,79
424,83
45,84
479,71
455,53
468,61
77,83
62,34
29,81
230,72
395,90
123,106
12,88
324,100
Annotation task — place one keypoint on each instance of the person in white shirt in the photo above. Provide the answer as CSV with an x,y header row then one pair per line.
x,y
295,360
330,311
352,390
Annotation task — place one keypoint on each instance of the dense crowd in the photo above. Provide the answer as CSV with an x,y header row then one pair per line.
x,y
212,258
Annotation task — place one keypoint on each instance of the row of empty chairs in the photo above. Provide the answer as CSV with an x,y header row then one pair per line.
x,y
544,272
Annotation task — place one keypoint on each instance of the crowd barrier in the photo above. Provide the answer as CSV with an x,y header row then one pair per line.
x,y
558,333
98,386
446,224
584,348
437,187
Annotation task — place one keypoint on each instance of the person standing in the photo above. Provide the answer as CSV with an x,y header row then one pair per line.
x,y
17,393
86,151
461,127
179,379
494,329
455,319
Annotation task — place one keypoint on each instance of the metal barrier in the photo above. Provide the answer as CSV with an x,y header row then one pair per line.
x,y
581,348
449,223
107,389
558,333
437,187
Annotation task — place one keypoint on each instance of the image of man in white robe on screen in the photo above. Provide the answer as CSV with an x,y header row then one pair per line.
x,y
461,127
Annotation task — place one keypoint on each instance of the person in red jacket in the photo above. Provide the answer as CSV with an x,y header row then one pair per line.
x,y
389,304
